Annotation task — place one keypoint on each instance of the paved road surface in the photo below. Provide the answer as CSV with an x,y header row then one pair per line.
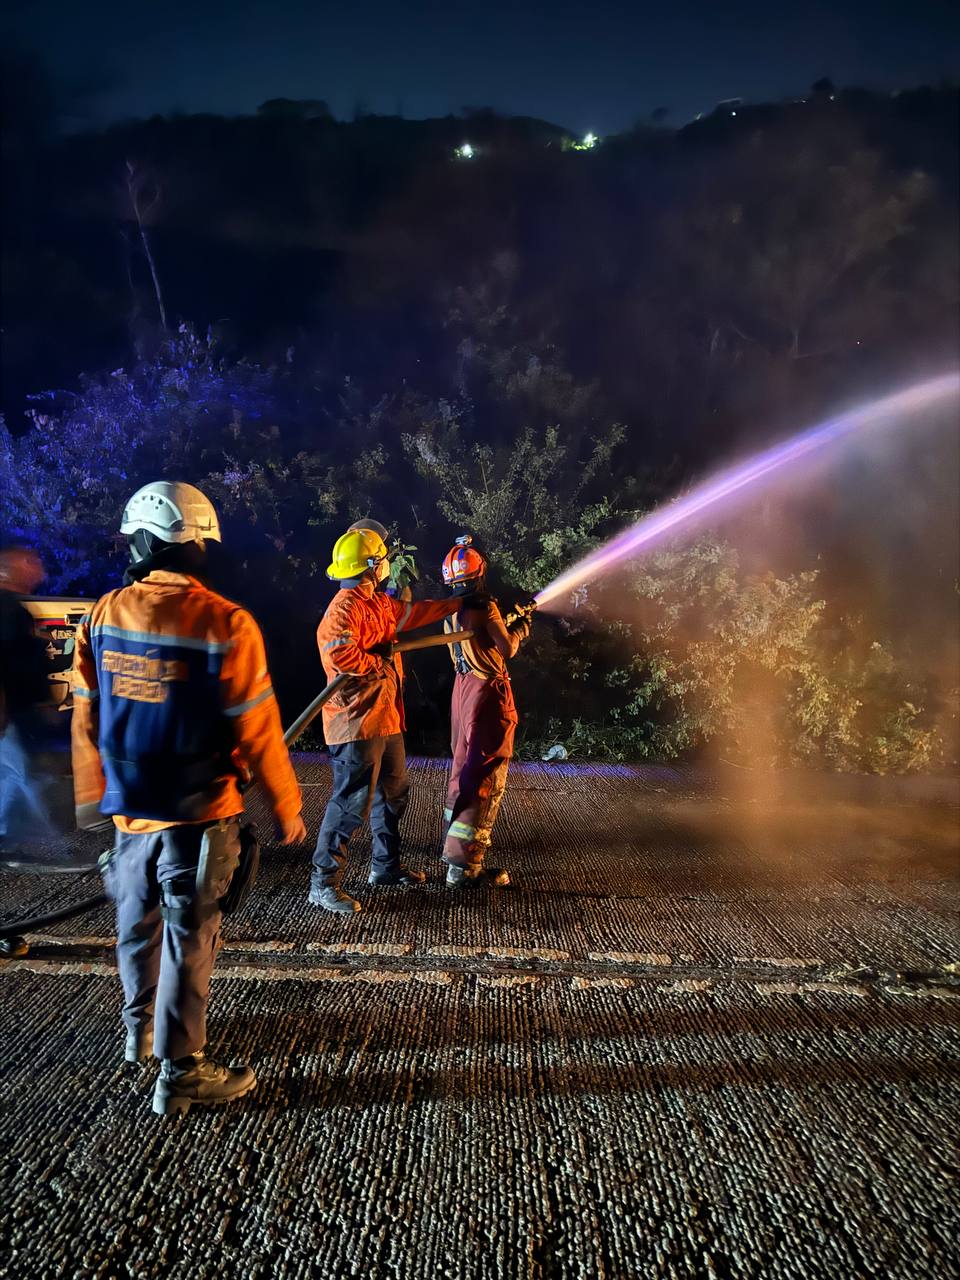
x,y
711,1032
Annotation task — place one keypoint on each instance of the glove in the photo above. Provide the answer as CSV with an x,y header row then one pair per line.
x,y
520,628
385,650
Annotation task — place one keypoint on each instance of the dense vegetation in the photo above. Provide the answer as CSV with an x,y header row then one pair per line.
x,y
315,320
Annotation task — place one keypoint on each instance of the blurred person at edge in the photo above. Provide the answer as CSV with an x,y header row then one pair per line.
x,y
24,691
174,709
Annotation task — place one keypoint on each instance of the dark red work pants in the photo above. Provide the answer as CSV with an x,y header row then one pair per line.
x,y
483,720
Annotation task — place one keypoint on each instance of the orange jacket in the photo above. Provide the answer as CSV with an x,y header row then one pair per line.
x,y
485,656
370,706
172,704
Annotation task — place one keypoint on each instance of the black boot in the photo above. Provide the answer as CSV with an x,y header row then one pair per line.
x,y
402,876
476,877
332,898
199,1079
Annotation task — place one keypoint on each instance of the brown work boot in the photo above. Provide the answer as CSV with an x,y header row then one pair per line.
x,y
199,1079
476,877
402,876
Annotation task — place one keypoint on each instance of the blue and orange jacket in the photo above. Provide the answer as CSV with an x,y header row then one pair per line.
x,y
370,706
173,705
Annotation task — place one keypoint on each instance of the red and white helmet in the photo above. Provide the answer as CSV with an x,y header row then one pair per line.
x,y
463,562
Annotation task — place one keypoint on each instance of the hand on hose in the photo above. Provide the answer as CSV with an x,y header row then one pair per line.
x,y
520,628
385,650
522,620
291,830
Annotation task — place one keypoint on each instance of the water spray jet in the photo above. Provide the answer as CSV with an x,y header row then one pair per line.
x,y
720,489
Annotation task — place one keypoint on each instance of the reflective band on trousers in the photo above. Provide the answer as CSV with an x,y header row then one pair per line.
x,y
461,831
477,836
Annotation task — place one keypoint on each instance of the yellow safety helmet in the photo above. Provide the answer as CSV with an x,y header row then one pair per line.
x,y
355,552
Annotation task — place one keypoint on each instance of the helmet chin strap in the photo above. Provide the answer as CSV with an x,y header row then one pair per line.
x,y
143,545
148,552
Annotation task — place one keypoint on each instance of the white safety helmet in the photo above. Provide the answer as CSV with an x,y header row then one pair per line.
x,y
173,512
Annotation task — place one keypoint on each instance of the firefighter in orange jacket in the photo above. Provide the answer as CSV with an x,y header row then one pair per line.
x,y
363,722
173,707
483,718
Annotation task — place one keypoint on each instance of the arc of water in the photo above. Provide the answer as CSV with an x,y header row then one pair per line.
x,y
720,488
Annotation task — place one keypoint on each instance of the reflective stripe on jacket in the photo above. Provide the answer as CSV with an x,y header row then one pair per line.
x,y
371,705
173,703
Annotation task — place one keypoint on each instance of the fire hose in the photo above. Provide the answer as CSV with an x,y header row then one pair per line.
x,y
10,931
310,713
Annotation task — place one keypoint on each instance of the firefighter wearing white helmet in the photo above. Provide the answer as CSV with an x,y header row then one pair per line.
x,y
173,709
168,513
363,722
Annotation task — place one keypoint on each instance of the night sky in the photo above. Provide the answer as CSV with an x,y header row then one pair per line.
x,y
598,66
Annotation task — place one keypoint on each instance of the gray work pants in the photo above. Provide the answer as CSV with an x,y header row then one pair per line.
x,y
168,933
369,781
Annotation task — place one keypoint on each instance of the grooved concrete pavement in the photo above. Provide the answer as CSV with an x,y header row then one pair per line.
x,y
711,1032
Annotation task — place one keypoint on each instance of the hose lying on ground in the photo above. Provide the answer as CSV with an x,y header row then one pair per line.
x,y
14,928
53,917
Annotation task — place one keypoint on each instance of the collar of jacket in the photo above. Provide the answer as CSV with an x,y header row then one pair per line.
x,y
364,588
164,578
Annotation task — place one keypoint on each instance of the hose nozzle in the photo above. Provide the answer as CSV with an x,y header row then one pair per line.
x,y
522,609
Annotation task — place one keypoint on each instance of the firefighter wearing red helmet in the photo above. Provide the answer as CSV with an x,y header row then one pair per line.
x,y
483,718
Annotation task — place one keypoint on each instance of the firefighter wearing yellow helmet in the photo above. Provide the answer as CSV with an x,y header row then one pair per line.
x,y
404,573
363,722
